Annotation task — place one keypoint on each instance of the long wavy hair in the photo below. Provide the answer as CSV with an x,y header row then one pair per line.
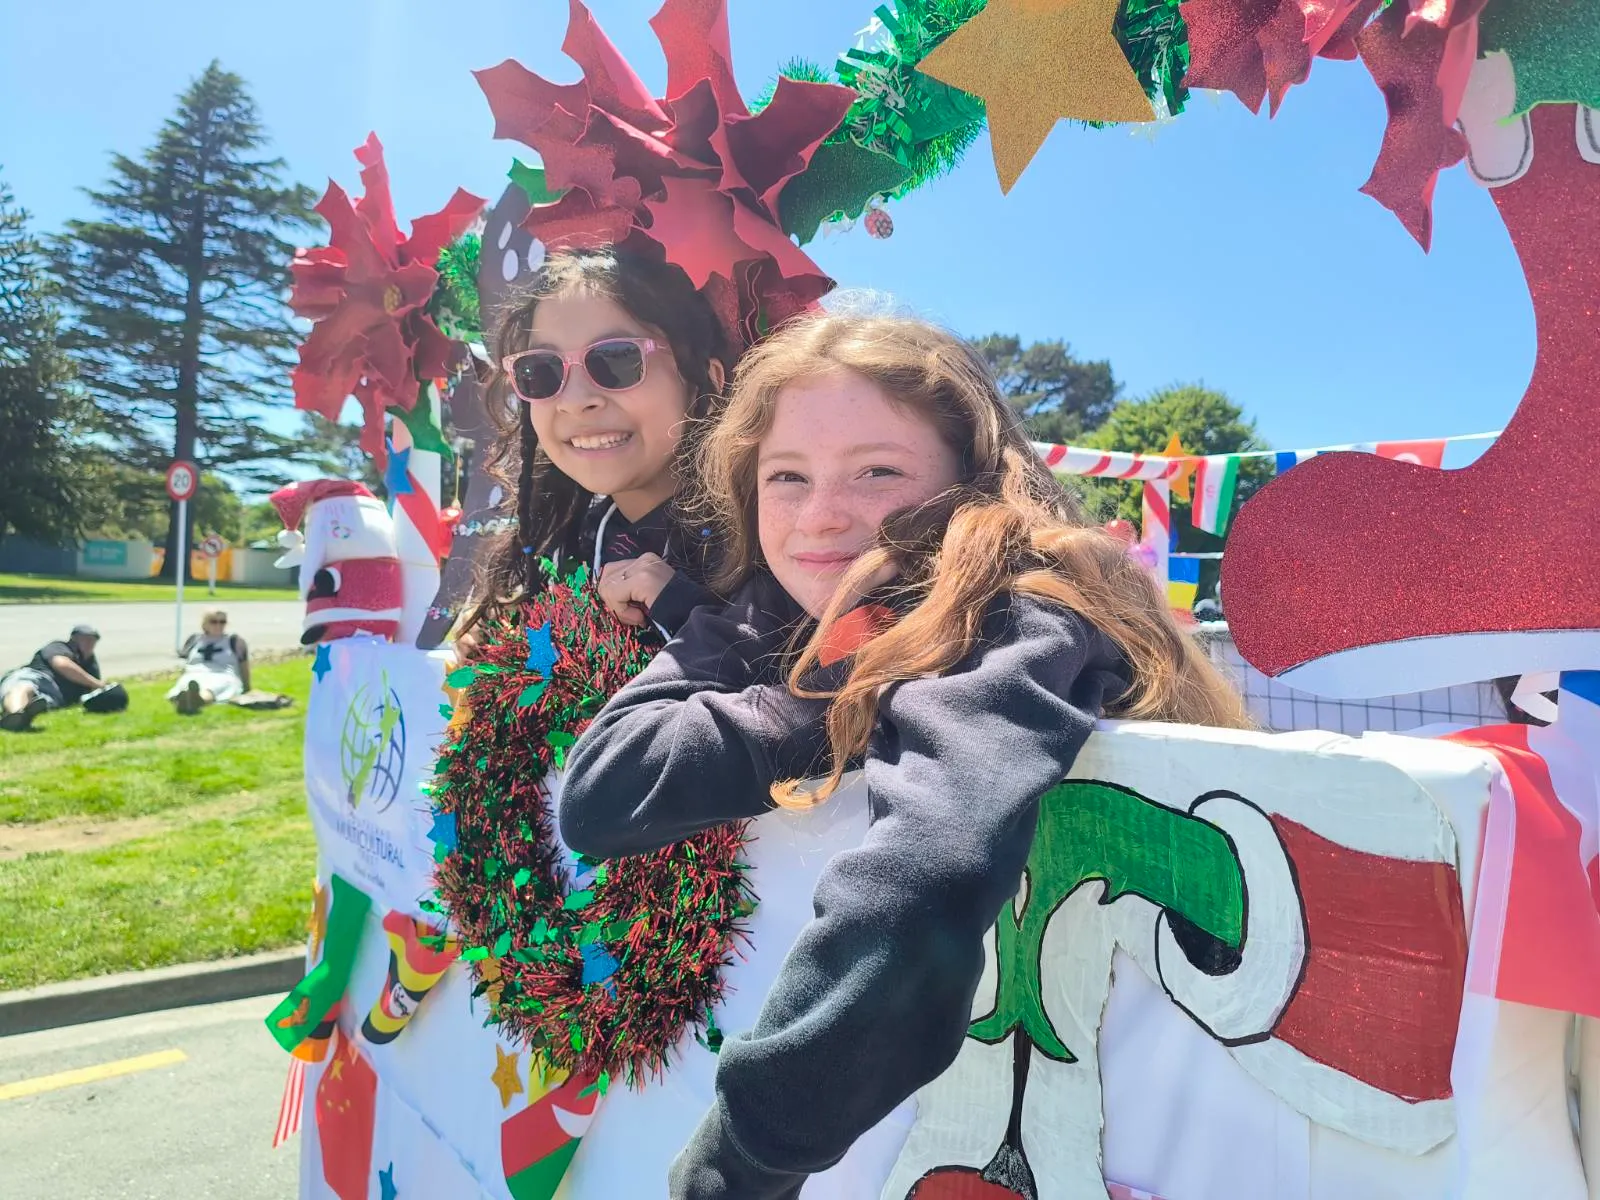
x,y
550,505
1007,526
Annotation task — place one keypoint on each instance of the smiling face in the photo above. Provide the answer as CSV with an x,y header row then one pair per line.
x,y
839,458
617,444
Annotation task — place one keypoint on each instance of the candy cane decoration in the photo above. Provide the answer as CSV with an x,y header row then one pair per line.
x,y
419,531
1106,464
1156,528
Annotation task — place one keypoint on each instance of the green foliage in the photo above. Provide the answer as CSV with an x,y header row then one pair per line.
x,y
42,416
175,294
1207,422
1058,396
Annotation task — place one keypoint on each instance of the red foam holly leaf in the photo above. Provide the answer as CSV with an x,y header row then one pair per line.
x,y
367,291
695,176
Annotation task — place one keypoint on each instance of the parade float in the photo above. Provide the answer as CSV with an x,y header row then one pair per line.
x,y
1297,964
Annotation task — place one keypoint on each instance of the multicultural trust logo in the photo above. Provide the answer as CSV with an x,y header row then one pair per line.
x,y
372,746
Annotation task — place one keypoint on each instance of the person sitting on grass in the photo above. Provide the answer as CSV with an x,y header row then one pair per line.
x,y
217,666
60,674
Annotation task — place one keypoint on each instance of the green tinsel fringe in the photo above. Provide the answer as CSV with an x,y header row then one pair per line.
x,y
454,306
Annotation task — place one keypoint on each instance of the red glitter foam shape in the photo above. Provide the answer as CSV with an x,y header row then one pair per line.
x,y
1351,554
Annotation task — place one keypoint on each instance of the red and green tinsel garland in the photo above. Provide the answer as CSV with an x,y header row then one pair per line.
x,y
599,967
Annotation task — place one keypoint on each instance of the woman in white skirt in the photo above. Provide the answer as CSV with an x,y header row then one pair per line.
x,y
217,667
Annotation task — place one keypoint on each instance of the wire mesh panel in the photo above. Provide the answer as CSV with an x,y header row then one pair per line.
x,y
1280,709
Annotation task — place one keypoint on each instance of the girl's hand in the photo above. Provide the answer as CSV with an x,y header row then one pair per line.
x,y
630,586
466,643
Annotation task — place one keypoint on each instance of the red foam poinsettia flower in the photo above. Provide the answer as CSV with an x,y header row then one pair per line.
x,y
696,176
368,290
1419,52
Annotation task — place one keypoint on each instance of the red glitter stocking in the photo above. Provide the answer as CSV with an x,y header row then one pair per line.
x,y
1342,575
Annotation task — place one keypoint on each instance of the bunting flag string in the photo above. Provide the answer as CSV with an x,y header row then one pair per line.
x,y
1216,476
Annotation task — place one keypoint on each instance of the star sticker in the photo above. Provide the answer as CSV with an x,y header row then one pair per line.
x,y
396,472
323,663
386,1186
317,927
541,650
443,833
489,972
1180,481
1034,62
507,1075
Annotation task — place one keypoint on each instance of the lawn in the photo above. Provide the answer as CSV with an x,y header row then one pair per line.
x,y
52,589
202,848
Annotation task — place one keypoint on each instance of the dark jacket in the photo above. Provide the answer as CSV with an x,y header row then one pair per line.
x,y
875,997
687,551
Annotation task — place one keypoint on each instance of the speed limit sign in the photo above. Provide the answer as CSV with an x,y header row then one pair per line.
x,y
183,478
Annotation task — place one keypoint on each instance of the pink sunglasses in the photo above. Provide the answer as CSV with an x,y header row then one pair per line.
x,y
612,364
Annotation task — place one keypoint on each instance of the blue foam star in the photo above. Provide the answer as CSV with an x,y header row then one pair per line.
x,y
443,832
541,650
598,964
323,663
396,480
386,1184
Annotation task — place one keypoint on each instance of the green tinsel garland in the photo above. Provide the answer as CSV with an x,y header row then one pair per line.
x,y
454,306
598,967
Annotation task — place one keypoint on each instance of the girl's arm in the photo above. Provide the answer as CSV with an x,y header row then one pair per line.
x,y
875,997
695,739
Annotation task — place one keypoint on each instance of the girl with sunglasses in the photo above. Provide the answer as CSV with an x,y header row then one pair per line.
x,y
608,367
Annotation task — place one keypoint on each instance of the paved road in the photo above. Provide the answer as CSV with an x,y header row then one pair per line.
x,y
138,639
199,1127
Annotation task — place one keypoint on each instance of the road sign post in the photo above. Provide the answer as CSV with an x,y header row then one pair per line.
x,y
212,548
183,480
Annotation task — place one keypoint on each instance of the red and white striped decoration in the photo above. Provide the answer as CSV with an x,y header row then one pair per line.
x,y
1155,530
1107,464
294,1094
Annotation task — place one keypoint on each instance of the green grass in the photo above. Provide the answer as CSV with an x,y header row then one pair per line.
x,y
51,589
213,889
149,759
227,869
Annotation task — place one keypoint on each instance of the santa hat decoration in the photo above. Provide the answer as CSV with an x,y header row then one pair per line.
x,y
350,572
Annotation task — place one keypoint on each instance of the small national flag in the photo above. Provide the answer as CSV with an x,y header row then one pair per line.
x,y
538,1143
1284,459
1183,584
1216,480
1429,453
413,970
307,1005
294,1095
346,1115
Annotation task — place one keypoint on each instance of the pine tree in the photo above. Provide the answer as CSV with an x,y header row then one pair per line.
x,y
1058,396
176,294
40,416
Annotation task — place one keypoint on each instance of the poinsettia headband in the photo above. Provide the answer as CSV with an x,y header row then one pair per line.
x,y
695,178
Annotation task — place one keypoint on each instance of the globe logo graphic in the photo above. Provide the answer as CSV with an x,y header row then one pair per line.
x,y
372,747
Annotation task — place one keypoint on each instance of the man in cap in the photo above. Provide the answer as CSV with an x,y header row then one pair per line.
x,y
60,673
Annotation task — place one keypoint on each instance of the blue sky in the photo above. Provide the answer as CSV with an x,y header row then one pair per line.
x,y
1220,247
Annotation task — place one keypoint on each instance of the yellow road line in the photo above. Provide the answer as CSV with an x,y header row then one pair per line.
x,y
123,1066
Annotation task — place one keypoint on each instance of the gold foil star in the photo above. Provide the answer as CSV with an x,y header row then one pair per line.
x,y
507,1075
318,925
1180,481
1034,62
489,972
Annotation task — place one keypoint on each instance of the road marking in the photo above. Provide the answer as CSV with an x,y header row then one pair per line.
x,y
110,1070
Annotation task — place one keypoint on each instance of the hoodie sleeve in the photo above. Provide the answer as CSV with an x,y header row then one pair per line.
x,y
696,739
875,997
677,600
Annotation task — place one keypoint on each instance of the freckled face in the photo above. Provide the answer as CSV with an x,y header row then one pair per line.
x,y
617,444
839,458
